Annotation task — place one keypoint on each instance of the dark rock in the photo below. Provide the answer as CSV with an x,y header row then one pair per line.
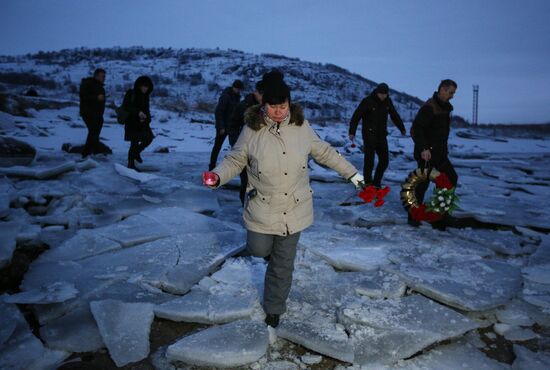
x,y
77,149
15,152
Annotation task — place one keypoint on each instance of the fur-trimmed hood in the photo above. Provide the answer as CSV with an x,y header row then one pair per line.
x,y
253,117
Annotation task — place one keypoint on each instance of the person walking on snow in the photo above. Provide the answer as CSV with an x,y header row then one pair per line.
x,y
92,107
274,146
374,110
430,132
237,124
227,103
137,128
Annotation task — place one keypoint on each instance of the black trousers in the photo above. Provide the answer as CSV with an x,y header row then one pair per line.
x,y
244,176
378,146
94,125
443,166
218,143
138,145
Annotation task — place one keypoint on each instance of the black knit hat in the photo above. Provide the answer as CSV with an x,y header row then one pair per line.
x,y
383,88
276,91
238,84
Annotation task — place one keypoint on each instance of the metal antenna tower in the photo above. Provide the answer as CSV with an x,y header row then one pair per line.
x,y
475,105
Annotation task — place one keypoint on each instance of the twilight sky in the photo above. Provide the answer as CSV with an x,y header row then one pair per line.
x,y
502,45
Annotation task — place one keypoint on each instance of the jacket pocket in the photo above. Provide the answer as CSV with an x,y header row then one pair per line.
x,y
303,195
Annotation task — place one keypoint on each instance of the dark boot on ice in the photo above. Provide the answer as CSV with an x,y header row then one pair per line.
x,y
411,221
138,158
440,225
132,164
272,320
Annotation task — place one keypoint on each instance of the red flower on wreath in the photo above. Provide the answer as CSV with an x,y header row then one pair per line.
x,y
442,182
421,214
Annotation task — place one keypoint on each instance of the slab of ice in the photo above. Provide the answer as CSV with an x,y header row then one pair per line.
x,y
384,331
277,365
348,251
22,350
470,286
134,230
230,345
537,294
514,333
8,241
134,175
542,254
8,322
200,306
504,242
52,293
85,243
242,272
38,172
516,313
319,332
136,274
526,359
193,198
452,356
124,328
538,273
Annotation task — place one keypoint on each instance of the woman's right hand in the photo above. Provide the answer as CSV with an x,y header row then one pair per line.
x,y
142,116
210,179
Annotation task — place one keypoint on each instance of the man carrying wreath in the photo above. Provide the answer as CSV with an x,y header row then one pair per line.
x,y
430,132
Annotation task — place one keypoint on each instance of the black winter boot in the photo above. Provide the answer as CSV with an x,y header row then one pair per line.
x,y
132,164
272,320
138,158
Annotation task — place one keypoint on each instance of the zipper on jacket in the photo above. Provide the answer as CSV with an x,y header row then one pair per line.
x,y
278,130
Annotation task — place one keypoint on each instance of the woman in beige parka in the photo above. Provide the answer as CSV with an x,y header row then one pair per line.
x,y
274,146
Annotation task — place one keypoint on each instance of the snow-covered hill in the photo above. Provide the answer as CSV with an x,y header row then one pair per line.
x,y
192,79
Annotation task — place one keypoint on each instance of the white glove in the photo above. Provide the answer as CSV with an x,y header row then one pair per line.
x,y
358,181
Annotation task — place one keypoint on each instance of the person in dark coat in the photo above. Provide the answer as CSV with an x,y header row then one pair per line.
x,y
430,132
374,110
92,107
237,123
227,103
137,129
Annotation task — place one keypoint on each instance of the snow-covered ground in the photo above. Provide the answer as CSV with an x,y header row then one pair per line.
x,y
128,252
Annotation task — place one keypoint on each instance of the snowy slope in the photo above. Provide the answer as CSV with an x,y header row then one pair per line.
x,y
192,79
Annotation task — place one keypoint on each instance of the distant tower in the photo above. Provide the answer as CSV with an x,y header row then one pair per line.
x,y
475,106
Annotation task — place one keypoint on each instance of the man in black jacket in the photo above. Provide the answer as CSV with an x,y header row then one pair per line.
x,y
227,103
92,107
374,110
237,123
430,132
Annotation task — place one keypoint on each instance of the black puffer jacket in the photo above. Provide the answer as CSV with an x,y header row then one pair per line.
x,y
134,102
431,128
237,120
226,106
374,113
90,106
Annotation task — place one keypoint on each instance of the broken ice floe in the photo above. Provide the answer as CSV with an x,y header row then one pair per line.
x,y
470,286
230,345
124,328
